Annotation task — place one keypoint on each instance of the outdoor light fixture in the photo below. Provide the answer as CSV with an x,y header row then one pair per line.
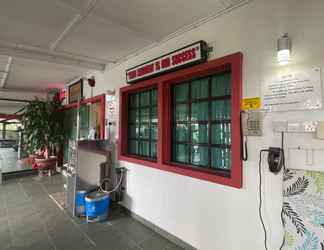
x,y
283,50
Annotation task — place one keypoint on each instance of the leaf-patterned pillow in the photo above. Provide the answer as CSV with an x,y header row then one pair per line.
x,y
303,210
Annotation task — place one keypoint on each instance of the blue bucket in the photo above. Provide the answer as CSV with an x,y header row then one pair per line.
x,y
80,203
97,206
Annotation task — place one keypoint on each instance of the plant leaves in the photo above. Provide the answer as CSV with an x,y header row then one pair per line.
x,y
294,217
297,187
288,174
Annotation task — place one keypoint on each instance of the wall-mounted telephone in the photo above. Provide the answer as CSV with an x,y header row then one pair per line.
x,y
252,123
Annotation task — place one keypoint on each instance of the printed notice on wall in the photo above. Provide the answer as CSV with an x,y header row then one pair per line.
x,y
294,91
110,115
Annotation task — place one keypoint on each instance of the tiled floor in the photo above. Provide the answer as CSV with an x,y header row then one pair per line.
x,y
29,219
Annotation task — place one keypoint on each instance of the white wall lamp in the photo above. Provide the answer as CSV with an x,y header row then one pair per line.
x,y
283,49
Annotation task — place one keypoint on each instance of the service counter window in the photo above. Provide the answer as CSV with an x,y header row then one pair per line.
x,y
142,124
92,117
187,122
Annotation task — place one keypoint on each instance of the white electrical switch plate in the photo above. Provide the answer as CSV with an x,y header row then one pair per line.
x,y
280,126
302,126
295,126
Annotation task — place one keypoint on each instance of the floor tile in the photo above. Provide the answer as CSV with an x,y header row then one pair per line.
x,y
156,242
30,220
40,245
172,246
119,243
103,238
136,231
5,238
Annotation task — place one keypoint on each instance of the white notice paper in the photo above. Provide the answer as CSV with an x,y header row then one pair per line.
x,y
295,91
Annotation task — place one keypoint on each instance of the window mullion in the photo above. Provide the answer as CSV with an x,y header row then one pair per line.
x,y
139,141
189,122
150,123
209,122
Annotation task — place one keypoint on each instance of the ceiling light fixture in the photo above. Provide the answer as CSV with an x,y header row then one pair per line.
x,y
283,49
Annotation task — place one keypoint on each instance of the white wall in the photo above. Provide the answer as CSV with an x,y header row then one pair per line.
x,y
207,215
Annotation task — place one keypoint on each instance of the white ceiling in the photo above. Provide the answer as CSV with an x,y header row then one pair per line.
x,y
40,75
95,31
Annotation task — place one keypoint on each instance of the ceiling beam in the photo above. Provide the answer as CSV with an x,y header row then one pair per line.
x,y
39,54
14,100
84,13
6,73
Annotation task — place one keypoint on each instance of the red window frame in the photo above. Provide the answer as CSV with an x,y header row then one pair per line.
x,y
164,83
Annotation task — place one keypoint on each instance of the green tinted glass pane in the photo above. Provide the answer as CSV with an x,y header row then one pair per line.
x,y
154,114
181,92
133,116
181,112
133,100
221,158
221,84
143,123
132,147
181,153
84,133
181,133
144,148
144,115
84,121
154,96
221,133
70,123
144,131
84,117
199,111
144,98
199,88
199,155
199,133
153,149
133,131
221,109
154,131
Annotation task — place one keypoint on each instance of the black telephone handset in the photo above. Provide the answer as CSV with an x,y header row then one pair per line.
x,y
275,159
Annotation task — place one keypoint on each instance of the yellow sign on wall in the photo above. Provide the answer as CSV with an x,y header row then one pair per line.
x,y
251,103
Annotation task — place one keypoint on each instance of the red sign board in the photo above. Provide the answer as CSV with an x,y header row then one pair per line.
x,y
184,57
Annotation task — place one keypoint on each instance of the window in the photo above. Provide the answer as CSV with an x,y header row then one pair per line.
x,y
202,122
196,130
142,124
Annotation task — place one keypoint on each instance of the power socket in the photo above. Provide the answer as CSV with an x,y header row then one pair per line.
x,y
294,126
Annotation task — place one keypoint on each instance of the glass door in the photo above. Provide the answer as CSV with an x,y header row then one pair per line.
x,y
12,154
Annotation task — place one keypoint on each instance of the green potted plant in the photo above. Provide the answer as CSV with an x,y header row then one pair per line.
x,y
43,131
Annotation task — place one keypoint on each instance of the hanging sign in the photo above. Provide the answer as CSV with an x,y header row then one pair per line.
x,y
295,91
184,57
